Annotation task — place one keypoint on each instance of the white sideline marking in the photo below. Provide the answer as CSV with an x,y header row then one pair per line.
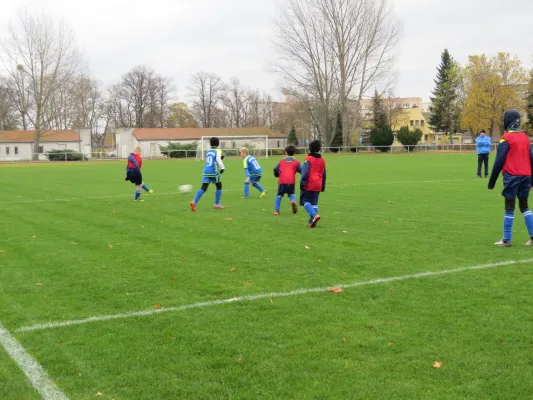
x,y
225,190
29,365
51,325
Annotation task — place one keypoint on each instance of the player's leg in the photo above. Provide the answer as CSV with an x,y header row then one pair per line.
x,y
486,161
200,193
255,184
292,197
523,197
479,163
218,195
306,200
279,196
138,181
146,188
314,203
510,192
246,189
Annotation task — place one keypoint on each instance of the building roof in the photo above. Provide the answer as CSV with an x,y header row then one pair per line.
x,y
197,133
46,136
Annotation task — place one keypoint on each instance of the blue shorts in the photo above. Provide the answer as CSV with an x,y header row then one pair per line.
x,y
309,197
285,188
134,176
255,179
211,179
516,186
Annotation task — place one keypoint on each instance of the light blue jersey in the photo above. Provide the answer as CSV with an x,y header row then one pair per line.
x,y
252,167
213,163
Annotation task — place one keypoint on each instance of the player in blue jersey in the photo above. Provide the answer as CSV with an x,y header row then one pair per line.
x,y
253,172
213,168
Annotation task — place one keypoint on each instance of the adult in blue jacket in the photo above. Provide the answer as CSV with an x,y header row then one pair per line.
x,y
483,143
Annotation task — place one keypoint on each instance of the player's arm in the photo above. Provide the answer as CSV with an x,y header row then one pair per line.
x,y
324,180
305,174
501,156
219,162
299,170
132,159
276,171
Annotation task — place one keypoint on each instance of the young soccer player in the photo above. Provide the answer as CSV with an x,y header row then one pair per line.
x,y
134,175
515,158
286,171
253,172
313,182
213,168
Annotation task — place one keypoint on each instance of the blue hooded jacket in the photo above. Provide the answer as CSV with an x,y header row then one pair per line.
x,y
483,144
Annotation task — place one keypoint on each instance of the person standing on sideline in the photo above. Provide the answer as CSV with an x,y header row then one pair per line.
x,y
483,143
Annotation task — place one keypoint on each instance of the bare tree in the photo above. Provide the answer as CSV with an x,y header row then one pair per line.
x,y
234,100
8,111
331,52
206,92
41,59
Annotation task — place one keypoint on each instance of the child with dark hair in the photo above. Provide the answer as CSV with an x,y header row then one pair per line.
x,y
286,171
213,168
313,182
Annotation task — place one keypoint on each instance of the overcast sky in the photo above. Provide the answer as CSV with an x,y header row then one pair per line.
x,y
233,37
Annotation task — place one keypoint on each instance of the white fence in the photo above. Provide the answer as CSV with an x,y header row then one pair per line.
x,y
177,154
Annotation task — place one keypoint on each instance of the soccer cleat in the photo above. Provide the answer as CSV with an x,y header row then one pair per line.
x,y
150,191
244,197
138,200
193,206
313,223
263,194
529,243
503,243
218,207
294,208
276,212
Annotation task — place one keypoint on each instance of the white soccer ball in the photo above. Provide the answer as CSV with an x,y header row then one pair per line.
x,y
185,188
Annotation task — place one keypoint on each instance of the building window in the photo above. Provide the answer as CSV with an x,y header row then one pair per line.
x,y
417,122
406,105
41,150
7,150
422,123
425,138
16,150
412,123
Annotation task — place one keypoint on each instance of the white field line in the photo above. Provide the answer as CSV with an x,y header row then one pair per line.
x,y
140,313
29,365
224,190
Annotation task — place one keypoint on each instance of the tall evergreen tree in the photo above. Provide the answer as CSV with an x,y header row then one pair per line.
x,y
444,103
529,104
336,143
292,138
379,117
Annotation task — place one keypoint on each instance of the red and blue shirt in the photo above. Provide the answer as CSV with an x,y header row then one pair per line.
x,y
313,173
286,170
135,162
514,157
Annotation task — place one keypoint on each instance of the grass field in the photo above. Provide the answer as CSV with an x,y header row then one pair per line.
x,y
169,287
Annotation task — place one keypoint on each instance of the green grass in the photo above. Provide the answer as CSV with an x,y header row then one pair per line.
x,y
99,253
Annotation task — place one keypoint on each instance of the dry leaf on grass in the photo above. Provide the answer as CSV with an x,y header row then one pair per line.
x,y
335,289
126,281
344,231
156,306
2,251
307,247
74,243
229,219
344,340
233,269
39,284
389,344
34,236
173,278
99,394
110,245
370,326
437,364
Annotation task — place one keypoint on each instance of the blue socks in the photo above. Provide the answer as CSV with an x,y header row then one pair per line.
x,y
278,203
312,210
198,196
218,195
137,195
246,189
528,218
293,197
508,226
146,187
258,187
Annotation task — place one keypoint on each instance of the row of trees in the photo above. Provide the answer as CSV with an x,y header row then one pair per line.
x,y
475,96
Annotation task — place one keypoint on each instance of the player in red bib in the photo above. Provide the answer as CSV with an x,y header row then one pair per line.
x,y
133,173
515,159
313,182
286,171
